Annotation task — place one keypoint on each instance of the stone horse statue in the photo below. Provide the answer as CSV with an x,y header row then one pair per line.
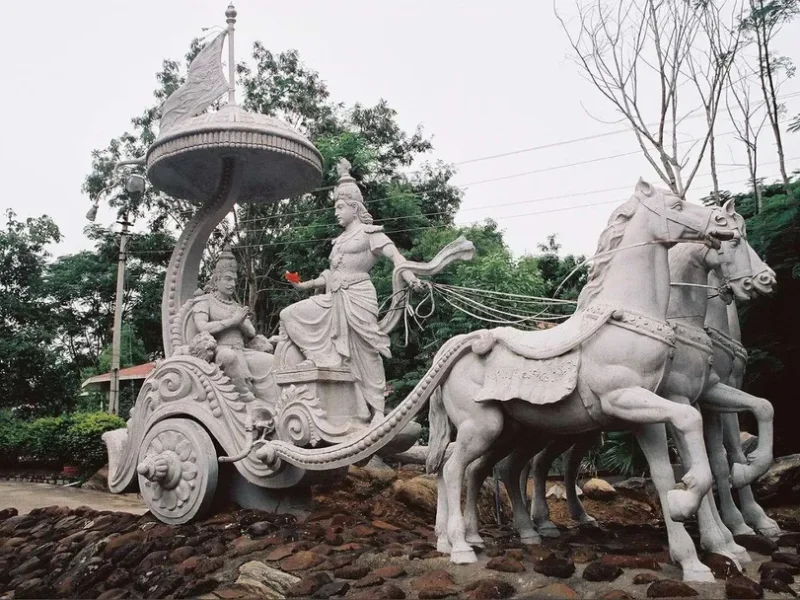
x,y
727,367
599,370
694,377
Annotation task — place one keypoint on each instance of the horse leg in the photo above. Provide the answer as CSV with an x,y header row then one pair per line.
x,y
718,457
653,442
511,473
573,460
477,433
727,399
754,515
640,406
751,513
712,537
476,474
524,477
712,424
442,543
540,512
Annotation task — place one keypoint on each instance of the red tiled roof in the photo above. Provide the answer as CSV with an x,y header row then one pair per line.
x,y
136,372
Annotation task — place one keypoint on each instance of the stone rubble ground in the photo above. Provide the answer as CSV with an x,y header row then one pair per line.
x,y
371,537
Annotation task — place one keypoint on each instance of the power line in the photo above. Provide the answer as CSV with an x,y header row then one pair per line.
x,y
485,207
595,136
427,227
580,163
464,187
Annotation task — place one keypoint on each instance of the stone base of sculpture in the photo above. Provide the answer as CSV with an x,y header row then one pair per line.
x,y
233,488
317,405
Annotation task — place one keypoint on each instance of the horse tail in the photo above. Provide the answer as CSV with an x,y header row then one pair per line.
x,y
440,431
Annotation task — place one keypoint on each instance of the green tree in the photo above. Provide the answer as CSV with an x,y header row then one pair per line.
x,y
769,325
34,376
563,276
83,287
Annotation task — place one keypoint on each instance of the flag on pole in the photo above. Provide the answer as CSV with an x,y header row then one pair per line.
x,y
205,82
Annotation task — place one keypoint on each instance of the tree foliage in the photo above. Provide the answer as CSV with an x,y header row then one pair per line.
x,y
83,288
769,325
34,376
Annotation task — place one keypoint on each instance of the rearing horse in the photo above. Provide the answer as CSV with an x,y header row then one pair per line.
x,y
611,357
693,378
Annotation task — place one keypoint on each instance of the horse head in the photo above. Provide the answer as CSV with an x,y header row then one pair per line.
x,y
676,220
739,267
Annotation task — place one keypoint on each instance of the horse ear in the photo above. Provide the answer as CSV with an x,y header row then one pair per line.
x,y
644,188
730,207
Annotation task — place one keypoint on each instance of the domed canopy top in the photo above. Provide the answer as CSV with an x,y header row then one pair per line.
x,y
274,160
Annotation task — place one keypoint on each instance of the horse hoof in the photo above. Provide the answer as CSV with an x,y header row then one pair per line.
x,y
764,525
682,504
476,542
698,574
443,545
531,539
588,521
770,532
742,475
742,555
548,530
463,557
730,553
739,528
755,517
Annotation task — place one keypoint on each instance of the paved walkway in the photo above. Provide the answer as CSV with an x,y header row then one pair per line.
x,y
27,496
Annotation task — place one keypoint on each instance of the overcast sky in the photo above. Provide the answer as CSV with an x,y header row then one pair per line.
x,y
482,78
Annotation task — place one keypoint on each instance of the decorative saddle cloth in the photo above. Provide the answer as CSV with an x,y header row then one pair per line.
x,y
510,376
540,367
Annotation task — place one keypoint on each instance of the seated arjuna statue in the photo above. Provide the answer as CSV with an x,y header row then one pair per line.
x,y
227,337
339,329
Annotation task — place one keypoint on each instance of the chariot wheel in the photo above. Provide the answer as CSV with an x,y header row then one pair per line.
x,y
177,470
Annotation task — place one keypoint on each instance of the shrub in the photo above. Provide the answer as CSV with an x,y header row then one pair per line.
x,y
45,437
13,438
83,443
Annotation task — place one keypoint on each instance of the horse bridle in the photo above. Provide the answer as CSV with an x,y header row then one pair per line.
x,y
694,223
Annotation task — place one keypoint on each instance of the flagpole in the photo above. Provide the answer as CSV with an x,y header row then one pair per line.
x,y
231,14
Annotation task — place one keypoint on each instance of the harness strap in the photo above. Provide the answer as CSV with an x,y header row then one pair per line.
x,y
543,354
729,345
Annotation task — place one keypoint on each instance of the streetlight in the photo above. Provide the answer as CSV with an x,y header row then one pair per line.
x,y
135,184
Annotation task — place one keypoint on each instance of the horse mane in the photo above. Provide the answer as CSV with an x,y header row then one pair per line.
x,y
609,240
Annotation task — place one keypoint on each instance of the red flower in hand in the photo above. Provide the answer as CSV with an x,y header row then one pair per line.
x,y
292,277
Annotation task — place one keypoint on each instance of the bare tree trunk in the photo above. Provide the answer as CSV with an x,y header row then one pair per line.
x,y
618,44
764,30
712,157
747,121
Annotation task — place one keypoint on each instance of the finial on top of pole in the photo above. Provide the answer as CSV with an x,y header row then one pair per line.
x,y
230,13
